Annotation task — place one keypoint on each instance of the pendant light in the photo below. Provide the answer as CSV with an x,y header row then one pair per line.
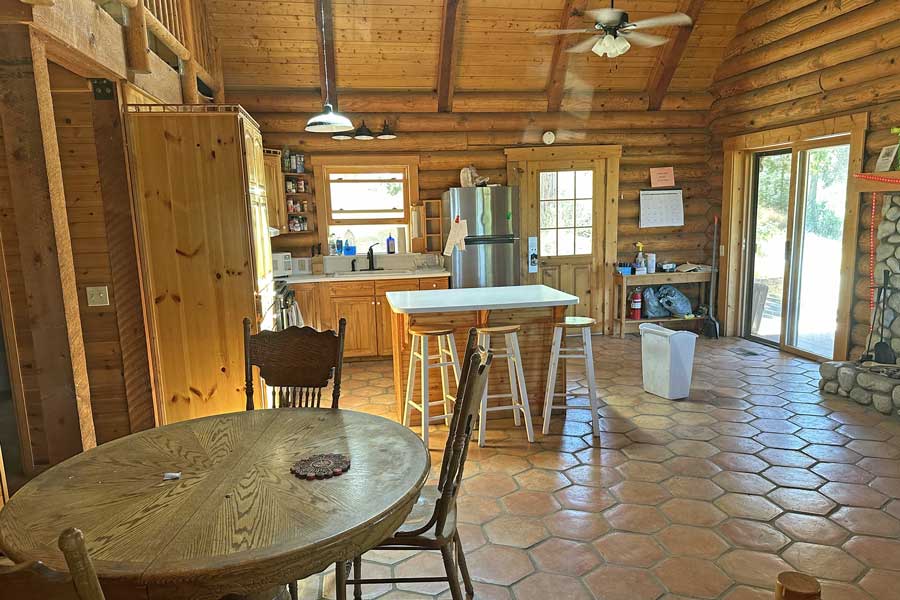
x,y
386,133
364,133
342,136
327,121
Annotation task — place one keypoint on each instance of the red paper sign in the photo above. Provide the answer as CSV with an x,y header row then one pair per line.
x,y
662,177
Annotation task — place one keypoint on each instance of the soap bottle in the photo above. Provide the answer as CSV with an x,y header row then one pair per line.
x,y
349,243
332,244
640,262
391,244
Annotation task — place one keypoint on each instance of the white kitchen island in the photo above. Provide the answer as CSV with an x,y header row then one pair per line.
x,y
534,307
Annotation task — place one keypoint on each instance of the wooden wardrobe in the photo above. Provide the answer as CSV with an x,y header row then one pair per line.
x,y
198,185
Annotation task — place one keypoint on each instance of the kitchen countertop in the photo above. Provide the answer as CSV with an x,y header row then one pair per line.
x,y
495,298
420,274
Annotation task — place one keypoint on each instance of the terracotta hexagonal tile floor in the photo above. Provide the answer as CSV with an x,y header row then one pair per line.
x,y
709,497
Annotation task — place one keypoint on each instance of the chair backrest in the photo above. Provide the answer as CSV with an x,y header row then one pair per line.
x,y
35,581
472,382
297,363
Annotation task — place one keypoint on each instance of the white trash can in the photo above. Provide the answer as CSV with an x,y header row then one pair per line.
x,y
667,361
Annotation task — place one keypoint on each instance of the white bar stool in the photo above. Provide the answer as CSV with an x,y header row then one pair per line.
x,y
585,353
443,360
517,392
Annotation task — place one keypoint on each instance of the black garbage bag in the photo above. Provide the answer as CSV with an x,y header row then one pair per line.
x,y
652,307
674,301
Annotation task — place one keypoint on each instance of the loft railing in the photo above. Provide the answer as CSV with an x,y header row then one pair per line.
x,y
182,26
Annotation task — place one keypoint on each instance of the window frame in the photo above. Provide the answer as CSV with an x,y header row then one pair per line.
x,y
573,168
326,166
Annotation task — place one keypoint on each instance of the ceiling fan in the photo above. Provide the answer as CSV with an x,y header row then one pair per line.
x,y
614,34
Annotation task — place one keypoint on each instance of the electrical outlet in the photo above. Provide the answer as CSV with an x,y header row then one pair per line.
x,y
97,295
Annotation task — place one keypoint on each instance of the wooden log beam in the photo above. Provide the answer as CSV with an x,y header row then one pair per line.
x,y
325,41
758,16
112,167
572,18
670,55
519,122
447,56
39,203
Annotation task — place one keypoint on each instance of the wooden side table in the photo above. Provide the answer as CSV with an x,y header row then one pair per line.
x,y
623,282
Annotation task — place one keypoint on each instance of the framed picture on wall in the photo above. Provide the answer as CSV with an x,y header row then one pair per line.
x,y
886,159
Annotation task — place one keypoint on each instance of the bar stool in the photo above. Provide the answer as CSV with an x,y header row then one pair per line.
x,y
585,353
517,393
443,360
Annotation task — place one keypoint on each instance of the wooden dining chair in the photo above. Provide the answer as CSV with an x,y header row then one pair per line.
x,y
297,363
432,523
35,581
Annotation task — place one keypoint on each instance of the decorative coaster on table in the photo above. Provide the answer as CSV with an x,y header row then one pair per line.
x,y
321,466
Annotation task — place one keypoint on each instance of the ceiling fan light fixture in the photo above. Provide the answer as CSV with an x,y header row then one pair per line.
x,y
604,46
363,133
328,121
386,133
621,45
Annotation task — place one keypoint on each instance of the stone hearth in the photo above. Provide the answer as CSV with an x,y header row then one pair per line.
x,y
878,386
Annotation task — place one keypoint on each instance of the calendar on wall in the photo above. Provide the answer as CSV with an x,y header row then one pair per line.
x,y
662,208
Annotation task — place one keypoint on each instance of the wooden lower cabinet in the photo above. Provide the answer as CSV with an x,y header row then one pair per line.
x,y
360,338
364,304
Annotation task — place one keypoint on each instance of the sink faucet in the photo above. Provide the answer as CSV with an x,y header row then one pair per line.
x,y
370,255
353,265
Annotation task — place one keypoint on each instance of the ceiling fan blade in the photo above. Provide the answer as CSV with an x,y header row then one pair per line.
x,y
585,45
675,19
607,16
648,40
561,31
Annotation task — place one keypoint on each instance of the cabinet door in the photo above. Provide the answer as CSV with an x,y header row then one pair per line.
x,y
259,212
360,338
383,310
307,297
275,199
434,283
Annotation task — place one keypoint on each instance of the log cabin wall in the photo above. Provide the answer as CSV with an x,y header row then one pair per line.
x,y
799,61
445,143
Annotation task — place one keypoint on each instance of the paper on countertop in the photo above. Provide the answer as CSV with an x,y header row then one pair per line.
x,y
459,231
171,476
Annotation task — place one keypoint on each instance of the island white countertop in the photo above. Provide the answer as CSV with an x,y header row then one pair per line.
x,y
365,276
494,298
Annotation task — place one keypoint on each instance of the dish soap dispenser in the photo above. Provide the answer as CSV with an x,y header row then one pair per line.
x,y
391,244
640,262
349,243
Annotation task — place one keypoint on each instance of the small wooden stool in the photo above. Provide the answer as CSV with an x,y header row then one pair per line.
x,y
443,360
791,585
517,393
585,353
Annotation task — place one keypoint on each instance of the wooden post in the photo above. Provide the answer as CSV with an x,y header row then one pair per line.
x,y
137,46
189,67
447,58
791,585
572,16
112,164
670,55
48,273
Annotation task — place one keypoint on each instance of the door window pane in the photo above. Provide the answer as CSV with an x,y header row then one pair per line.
x,y
820,243
773,178
561,213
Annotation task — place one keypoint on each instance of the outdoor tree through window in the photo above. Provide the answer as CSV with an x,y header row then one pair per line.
x,y
567,200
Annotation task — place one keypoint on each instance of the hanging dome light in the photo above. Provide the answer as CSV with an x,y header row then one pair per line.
x,y
328,121
364,133
387,133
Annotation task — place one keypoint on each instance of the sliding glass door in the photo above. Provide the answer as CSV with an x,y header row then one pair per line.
x,y
797,209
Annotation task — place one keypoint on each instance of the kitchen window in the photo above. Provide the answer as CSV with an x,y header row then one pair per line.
x,y
566,205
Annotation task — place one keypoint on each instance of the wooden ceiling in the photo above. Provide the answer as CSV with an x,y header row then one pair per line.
x,y
396,46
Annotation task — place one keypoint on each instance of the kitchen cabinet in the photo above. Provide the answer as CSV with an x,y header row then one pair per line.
x,y
307,297
360,338
198,186
276,200
383,309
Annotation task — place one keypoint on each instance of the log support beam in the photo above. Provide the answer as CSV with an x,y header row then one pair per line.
x,y
448,54
572,18
670,55
325,39
48,272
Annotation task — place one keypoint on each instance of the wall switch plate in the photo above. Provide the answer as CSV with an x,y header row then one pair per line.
x,y
532,254
97,295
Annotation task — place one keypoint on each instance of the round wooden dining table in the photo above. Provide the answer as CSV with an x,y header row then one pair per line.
x,y
237,521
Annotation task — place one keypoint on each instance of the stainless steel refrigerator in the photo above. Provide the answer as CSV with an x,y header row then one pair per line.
x,y
491,257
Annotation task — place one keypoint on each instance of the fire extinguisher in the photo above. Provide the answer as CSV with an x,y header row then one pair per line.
x,y
636,303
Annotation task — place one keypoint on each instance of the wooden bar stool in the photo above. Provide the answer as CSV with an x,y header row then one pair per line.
x,y
585,353
443,360
517,393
